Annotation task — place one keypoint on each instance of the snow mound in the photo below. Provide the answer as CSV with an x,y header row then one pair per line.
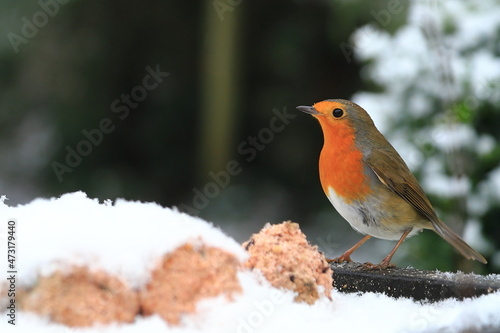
x,y
124,239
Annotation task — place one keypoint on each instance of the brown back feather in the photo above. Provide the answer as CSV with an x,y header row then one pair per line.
x,y
401,181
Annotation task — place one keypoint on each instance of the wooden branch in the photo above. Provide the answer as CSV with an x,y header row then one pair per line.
x,y
412,283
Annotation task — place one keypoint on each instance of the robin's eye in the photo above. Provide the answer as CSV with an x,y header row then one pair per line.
x,y
337,113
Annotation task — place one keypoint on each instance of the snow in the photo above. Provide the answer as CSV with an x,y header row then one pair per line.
x,y
84,232
493,183
121,237
450,137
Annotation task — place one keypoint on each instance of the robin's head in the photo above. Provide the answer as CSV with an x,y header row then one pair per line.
x,y
346,123
332,113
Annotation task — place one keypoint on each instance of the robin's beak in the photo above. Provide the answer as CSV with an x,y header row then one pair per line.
x,y
308,109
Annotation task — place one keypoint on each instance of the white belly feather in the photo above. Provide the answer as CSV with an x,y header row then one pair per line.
x,y
352,214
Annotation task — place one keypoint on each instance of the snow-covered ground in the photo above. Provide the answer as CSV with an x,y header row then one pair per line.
x,y
126,238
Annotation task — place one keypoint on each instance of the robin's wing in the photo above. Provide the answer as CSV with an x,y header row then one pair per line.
x,y
401,181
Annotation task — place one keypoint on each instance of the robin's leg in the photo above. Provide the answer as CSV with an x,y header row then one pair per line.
x,y
386,262
346,257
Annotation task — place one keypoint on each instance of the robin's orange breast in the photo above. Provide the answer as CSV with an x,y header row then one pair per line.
x,y
341,163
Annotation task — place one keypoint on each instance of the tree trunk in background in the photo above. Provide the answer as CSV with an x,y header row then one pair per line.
x,y
219,87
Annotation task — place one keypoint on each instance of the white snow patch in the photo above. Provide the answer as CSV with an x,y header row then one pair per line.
x,y
450,137
474,237
485,144
493,183
125,239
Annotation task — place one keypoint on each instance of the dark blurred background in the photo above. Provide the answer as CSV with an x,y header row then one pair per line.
x,y
191,104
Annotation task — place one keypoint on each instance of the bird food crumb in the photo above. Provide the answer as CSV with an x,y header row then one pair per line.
x,y
187,275
79,297
285,258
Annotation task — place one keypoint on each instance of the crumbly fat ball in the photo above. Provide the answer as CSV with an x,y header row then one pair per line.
x,y
186,276
285,258
79,297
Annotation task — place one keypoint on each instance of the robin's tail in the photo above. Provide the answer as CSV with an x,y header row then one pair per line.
x,y
458,243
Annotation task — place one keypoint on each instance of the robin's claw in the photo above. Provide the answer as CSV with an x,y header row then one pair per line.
x,y
339,260
383,265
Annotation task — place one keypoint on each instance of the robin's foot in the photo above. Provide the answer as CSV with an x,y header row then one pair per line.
x,y
341,259
383,265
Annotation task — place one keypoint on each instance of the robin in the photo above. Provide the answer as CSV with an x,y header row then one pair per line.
x,y
370,185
